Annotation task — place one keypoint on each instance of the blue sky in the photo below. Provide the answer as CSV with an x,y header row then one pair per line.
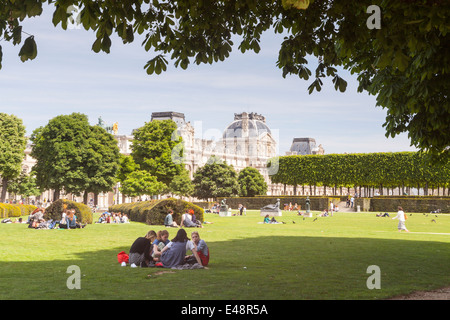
x,y
67,76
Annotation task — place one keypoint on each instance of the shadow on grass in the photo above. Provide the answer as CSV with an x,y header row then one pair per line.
x,y
266,268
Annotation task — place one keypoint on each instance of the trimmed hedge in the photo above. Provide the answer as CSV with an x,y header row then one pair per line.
x,y
388,169
15,210
153,212
409,204
319,203
82,211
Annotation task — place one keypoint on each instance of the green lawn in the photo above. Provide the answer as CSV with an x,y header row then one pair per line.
x,y
322,259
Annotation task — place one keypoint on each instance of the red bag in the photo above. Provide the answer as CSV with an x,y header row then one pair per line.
x,y
122,257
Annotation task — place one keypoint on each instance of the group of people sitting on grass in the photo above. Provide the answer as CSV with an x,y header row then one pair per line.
x,y
68,220
271,221
156,250
188,220
114,217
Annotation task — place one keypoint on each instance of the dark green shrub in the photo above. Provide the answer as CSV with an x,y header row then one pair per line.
x,y
54,211
153,212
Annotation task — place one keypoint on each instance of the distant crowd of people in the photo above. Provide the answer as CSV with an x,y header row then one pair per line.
x,y
114,217
188,220
68,220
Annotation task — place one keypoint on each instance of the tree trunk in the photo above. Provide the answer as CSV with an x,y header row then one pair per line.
x,y
95,198
4,187
56,194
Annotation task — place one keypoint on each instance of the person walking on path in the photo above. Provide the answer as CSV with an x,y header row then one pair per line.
x,y
401,216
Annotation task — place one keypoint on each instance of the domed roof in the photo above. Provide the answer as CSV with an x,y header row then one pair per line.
x,y
246,125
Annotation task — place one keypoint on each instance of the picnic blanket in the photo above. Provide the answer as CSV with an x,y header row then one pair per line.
x,y
187,266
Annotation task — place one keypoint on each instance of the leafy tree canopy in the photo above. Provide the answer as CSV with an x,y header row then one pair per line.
x,y
404,61
141,182
24,185
126,166
12,147
101,158
75,156
367,169
251,183
182,184
155,149
58,149
215,179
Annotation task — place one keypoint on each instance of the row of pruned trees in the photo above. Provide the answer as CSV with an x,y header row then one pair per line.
x,y
368,170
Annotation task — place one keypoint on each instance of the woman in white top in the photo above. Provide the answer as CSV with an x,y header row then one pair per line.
x,y
186,220
401,216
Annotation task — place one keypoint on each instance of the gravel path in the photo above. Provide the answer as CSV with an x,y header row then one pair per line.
x,y
439,294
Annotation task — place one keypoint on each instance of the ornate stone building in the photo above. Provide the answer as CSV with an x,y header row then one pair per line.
x,y
304,146
246,142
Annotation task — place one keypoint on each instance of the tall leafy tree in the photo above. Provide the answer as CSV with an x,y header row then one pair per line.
x,y
101,158
12,146
156,149
75,156
215,179
251,183
59,149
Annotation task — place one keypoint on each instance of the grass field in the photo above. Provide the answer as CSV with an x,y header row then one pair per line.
x,y
325,258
